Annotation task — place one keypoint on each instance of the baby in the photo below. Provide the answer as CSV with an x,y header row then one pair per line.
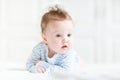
x,y
55,53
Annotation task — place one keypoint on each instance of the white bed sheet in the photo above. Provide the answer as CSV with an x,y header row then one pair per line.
x,y
93,72
90,72
22,75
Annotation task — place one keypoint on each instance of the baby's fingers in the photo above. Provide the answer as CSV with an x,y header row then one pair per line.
x,y
41,70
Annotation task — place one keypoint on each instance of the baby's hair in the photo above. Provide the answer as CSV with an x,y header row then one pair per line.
x,y
55,13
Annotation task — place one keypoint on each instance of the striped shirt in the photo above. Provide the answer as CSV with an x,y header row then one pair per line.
x,y
59,62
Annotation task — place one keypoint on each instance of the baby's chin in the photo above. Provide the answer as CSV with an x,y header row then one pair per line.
x,y
63,51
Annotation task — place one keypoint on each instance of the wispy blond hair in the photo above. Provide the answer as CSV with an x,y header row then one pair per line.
x,y
55,13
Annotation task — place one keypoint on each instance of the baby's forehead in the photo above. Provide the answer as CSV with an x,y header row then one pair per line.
x,y
60,22
60,26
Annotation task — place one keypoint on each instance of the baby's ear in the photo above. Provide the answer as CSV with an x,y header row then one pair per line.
x,y
44,38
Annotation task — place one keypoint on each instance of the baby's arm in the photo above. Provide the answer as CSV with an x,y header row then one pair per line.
x,y
39,69
65,64
31,63
48,68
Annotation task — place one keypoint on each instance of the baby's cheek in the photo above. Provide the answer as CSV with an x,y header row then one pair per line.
x,y
56,40
70,43
56,43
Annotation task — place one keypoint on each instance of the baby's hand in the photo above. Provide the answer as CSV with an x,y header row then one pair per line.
x,y
40,69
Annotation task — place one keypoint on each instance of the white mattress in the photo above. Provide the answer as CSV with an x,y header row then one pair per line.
x,y
93,72
22,75
90,72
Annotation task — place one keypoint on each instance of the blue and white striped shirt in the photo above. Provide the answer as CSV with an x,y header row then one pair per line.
x,y
59,62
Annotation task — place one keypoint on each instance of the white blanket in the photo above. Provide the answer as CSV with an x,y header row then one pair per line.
x,y
90,72
22,75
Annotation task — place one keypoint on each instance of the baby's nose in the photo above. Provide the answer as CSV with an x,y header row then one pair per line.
x,y
65,40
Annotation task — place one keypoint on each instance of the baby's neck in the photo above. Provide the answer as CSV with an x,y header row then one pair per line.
x,y
50,55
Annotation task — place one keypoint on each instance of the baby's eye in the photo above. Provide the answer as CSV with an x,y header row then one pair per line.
x,y
58,35
69,35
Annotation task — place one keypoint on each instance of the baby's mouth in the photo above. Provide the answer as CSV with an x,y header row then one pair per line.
x,y
65,46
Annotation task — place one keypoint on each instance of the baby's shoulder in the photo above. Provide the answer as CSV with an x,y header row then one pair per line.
x,y
40,45
69,53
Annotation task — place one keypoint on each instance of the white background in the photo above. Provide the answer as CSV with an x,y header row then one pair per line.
x,y
97,34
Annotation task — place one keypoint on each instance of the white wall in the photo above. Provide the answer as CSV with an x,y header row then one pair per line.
x,y
20,29
97,28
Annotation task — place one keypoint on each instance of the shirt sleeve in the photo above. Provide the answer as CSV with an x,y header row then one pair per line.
x,y
30,65
50,68
66,63
36,55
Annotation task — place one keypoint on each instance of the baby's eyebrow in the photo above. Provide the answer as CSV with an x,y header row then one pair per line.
x,y
57,32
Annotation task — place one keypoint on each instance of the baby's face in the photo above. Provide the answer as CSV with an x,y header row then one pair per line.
x,y
59,35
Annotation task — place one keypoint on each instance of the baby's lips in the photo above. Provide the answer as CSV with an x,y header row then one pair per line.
x,y
64,46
